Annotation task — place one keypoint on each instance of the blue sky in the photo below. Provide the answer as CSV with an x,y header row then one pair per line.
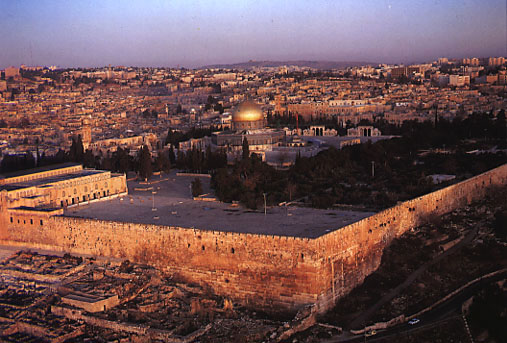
x,y
194,33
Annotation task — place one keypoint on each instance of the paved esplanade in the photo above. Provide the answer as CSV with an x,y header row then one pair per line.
x,y
175,207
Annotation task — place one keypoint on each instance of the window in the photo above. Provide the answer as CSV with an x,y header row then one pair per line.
x,y
12,219
41,222
31,221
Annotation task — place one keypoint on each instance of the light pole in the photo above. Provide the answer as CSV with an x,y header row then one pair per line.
x,y
264,194
153,200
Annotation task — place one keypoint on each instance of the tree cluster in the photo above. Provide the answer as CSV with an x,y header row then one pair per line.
x,y
246,182
198,161
487,312
372,175
174,137
196,187
212,103
12,163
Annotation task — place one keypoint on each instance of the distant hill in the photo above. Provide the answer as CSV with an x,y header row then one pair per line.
x,y
311,64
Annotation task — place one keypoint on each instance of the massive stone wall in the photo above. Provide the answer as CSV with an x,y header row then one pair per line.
x,y
350,254
266,272
262,271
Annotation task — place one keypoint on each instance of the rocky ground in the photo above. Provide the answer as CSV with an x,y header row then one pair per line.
x,y
152,306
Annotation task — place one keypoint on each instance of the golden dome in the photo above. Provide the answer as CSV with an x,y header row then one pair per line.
x,y
247,111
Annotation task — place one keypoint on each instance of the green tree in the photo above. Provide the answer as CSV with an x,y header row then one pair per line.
x,y
162,161
500,224
501,128
76,152
180,160
121,160
219,108
37,151
488,312
89,159
246,149
196,187
172,156
144,160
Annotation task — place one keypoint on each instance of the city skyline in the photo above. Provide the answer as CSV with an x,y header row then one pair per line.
x,y
183,34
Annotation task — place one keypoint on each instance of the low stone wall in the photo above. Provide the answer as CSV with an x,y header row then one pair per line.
x,y
194,175
137,329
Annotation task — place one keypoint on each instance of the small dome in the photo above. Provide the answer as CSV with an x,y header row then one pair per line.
x,y
247,111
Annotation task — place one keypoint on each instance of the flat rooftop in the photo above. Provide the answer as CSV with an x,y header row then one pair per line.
x,y
51,179
173,205
38,169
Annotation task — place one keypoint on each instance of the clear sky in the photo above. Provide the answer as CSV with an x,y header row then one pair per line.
x,y
188,33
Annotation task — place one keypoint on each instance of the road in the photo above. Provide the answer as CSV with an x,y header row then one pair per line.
x,y
365,316
436,317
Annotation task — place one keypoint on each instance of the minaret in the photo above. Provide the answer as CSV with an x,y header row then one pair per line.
x,y
86,133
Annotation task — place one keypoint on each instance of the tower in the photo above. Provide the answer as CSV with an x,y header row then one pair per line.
x,y
86,132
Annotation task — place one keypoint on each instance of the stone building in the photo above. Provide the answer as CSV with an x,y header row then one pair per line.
x,y
248,123
11,72
319,130
59,186
363,131
133,143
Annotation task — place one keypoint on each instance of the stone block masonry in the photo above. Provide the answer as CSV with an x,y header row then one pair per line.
x,y
271,273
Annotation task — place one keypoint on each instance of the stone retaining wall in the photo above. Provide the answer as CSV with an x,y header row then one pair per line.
x,y
266,272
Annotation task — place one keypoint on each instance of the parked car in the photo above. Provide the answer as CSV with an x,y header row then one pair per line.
x,y
370,333
413,321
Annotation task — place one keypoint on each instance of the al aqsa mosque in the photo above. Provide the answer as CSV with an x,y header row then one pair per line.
x,y
248,122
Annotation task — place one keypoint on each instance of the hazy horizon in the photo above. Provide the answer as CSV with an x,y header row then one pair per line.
x,y
192,34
